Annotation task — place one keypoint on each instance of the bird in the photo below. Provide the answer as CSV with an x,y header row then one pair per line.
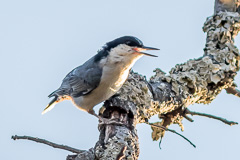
x,y
101,76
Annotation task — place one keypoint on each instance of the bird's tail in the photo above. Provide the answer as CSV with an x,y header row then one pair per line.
x,y
51,105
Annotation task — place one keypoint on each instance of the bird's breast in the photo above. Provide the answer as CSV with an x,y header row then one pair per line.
x,y
112,80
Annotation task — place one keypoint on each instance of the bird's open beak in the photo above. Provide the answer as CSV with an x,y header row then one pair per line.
x,y
144,48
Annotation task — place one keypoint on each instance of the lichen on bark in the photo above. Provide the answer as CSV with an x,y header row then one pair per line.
x,y
168,95
198,80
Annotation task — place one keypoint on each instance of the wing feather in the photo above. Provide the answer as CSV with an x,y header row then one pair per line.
x,y
81,80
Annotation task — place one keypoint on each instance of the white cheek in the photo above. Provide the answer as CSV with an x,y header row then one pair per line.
x,y
123,54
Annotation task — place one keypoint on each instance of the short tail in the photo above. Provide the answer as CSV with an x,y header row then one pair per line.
x,y
51,105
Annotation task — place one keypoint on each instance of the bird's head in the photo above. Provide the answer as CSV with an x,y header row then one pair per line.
x,y
128,46
124,50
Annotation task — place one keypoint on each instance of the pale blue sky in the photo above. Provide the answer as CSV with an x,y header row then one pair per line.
x,y
41,41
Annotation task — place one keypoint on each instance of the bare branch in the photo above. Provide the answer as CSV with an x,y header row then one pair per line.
x,y
234,91
173,131
188,118
211,116
195,81
54,145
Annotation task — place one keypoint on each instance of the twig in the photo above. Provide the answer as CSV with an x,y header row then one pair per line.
x,y
173,131
121,154
233,90
210,116
188,118
38,140
161,138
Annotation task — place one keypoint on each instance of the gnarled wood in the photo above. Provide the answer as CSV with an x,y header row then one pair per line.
x,y
168,95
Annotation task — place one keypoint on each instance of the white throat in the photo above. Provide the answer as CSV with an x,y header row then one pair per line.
x,y
123,55
115,70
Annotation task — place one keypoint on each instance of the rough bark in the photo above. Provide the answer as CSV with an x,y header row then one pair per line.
x,y
168,95
226,5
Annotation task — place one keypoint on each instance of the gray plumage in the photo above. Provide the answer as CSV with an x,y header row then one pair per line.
x,y
101,76
80,81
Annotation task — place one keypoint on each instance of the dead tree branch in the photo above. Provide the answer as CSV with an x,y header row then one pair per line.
x,y
168,95
211,116
188,118
43,141
173,131
234,91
